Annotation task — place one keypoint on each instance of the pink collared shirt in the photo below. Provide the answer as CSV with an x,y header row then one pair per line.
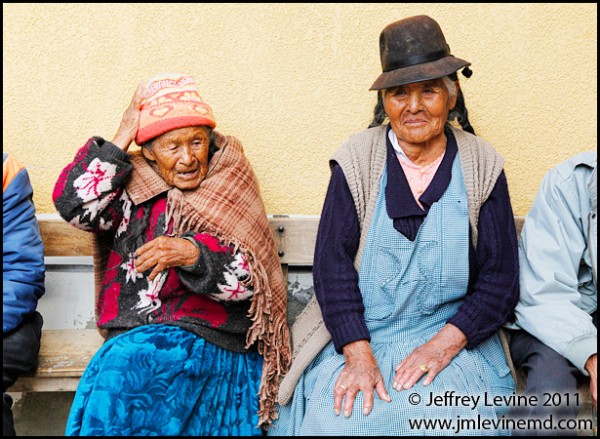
x,y
418,177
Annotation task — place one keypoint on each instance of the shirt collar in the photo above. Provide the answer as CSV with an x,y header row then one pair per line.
x,y
400,202
395,145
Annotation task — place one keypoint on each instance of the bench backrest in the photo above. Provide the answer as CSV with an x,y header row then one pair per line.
x,y
64,354
295,238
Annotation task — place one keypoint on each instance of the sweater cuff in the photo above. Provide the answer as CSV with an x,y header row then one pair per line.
x,y
195,265
467,327
579,350
111,149
349,332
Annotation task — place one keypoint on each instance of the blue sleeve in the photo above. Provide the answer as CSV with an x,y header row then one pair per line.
x,y
23,267
335,278
494,283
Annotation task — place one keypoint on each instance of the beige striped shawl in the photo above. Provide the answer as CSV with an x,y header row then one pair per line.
x,y
228,205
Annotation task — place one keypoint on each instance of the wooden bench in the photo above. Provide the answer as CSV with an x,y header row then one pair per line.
x,y
64,354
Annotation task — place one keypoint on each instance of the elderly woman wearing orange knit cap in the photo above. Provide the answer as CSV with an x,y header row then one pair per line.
x,y
190,295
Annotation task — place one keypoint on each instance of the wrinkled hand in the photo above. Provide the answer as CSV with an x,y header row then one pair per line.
x,y
591,365
164,252
360,373
435,355
130,121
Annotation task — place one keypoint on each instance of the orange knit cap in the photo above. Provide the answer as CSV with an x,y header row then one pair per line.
x,y
171,101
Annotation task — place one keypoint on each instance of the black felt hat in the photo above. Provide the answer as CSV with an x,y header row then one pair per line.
x,y
414,49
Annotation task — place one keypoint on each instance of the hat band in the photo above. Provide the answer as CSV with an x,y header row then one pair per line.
x,y
420,59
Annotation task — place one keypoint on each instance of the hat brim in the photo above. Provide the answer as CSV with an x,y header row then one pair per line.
x,y
419,72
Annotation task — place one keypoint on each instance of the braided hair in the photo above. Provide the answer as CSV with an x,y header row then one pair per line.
x,y
379,114
459,112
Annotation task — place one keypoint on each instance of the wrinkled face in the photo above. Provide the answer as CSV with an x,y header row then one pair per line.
x,y
418,111
181,156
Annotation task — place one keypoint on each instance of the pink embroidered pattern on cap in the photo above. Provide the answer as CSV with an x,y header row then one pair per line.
x,y
171,101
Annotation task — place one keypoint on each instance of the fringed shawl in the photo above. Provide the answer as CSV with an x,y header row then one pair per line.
x,y
228,205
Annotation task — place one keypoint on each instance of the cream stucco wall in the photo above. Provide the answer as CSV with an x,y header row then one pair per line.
x,y
291,81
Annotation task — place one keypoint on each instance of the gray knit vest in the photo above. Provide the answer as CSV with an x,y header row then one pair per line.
x,y
362,158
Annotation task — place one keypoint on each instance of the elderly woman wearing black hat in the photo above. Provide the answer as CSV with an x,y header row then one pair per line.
x,y
415,266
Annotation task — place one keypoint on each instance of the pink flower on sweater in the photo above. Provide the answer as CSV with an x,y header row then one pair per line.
x,y
148,298
95,206
234,290
126,213
235,273
96,180
131,273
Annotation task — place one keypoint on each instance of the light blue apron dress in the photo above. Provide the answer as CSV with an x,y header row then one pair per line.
x,y
410,289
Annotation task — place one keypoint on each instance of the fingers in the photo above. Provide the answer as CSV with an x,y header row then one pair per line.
x,y
145,262
148,256
338,395
342,393
412,369
138,96
413,378
381,392
349,401
156,272
408,375
130,120
136,100
143,257
145,248
431,375
347,396
165,252
368,396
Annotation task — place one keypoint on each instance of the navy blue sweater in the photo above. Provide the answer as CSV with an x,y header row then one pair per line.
x,y
494,272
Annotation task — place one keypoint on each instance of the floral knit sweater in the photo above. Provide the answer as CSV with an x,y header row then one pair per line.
x,y
208,297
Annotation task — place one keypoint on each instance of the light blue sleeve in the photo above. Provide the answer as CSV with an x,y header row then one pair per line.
x,y
552,256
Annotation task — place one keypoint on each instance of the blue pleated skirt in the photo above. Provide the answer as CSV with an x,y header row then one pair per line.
x,y
167,381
